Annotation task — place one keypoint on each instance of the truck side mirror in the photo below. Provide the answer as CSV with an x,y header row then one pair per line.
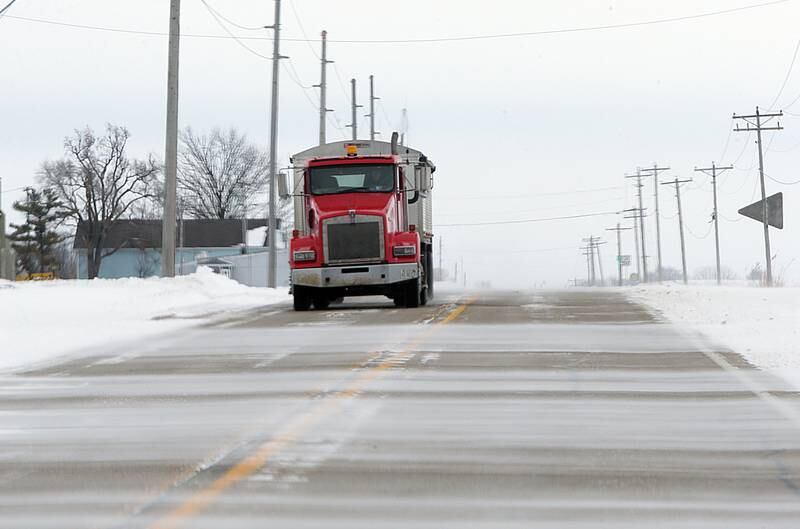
x,y
423,177
283,186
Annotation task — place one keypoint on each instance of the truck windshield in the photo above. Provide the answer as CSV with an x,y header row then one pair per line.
x,y
351,179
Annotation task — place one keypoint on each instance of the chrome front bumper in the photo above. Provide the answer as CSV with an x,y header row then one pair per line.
x,y
355,275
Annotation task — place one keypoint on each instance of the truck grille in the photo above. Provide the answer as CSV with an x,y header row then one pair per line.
x,y
353,239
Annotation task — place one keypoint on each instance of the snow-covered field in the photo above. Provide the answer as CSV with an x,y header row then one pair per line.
x,y
41,320
763,325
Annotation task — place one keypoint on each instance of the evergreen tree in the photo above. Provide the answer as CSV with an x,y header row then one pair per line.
x,y
36,240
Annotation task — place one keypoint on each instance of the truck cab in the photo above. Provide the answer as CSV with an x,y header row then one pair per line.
x,y
362,224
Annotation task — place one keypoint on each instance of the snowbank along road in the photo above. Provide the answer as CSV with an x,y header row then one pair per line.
x,y
492,409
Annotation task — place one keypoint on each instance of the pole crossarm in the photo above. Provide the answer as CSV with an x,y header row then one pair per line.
x,y
676,182
718,169
754,128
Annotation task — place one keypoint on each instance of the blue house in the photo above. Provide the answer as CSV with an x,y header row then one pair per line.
x,y
135,245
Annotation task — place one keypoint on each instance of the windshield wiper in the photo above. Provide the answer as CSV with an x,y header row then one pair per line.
x,y
352,190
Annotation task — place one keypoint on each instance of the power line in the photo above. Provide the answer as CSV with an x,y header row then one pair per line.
x,y
218,19
528,195
723,217
6,8
556,31
341,82
790,149
229,21
564,206
303,29
291,71
781,181
788,74
693,234
526,221
727,143
385,115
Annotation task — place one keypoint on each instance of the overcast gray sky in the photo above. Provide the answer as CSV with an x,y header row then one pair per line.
x,y
520,128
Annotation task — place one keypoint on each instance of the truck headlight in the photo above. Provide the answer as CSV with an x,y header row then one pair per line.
x,y
304,255
404,251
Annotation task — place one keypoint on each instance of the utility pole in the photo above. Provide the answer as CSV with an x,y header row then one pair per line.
x,y
354,110
677,183
441,270
713,173
600,262
619,231
636,244
371,114
273,150
180,235
639,185
758,126
169,220
593,245
638,220
323,89
655,170
588,265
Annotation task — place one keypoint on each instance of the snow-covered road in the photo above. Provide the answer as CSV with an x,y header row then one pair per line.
x,y
483,409
763,325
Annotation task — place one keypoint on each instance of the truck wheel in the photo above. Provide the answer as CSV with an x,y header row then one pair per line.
x,y
423,296
302,299
411,294
321,302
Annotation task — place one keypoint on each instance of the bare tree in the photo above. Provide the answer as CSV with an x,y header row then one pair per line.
x,y
98,184
151,207
710,272
220,174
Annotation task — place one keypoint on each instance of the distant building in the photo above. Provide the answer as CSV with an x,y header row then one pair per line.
x,y
135,247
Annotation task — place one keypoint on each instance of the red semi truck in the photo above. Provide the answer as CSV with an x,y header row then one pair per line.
x,y
363,224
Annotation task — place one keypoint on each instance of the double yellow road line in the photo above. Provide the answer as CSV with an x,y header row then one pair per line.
x,y
201,500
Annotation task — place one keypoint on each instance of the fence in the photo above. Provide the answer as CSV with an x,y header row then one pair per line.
x,y
249,269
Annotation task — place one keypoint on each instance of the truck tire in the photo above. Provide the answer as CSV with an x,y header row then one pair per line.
x,y
302,299
412,294
321,302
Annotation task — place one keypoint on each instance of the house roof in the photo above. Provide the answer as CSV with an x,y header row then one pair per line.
x,y
197,233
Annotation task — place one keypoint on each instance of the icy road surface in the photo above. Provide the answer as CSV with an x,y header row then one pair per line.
x,y
569,409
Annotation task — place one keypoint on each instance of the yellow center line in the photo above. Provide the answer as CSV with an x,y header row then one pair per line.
x,y
248,466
